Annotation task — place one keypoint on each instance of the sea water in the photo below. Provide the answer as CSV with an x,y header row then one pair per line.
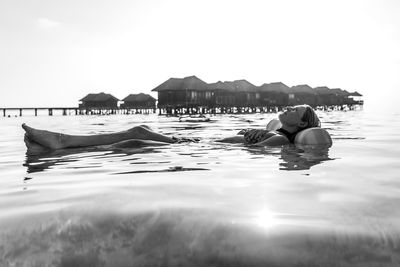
x,y
205,203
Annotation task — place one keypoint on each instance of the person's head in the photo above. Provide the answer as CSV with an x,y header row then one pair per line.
x,y
301,116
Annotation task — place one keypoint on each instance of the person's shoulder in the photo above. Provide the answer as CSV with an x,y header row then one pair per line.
x,y
273,125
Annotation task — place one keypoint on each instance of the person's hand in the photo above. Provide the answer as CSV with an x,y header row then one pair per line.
x,y
243,131
257,135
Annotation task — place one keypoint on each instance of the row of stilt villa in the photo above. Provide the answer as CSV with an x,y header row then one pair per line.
x,y
191,95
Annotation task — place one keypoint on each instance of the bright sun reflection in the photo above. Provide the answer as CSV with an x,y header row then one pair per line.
x,y
266,218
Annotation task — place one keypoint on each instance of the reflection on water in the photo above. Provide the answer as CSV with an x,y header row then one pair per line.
x,y
303,157
293,157
44,161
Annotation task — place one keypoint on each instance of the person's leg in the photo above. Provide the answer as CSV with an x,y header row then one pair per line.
x,y
232,139
55,140
34,148
137,143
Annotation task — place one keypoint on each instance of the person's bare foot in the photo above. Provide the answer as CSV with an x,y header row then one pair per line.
x,y
50,140
34,148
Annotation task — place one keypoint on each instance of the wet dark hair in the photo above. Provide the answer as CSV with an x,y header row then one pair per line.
x,y
310,117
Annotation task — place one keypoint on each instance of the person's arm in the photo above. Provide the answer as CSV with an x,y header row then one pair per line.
x,y
232,139
276,140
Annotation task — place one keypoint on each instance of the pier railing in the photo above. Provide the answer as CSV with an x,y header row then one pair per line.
x,y
8,112
72,111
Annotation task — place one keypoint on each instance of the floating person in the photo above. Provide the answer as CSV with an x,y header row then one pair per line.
x,y
298,124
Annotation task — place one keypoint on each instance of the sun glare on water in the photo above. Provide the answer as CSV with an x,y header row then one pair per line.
x,y
267,219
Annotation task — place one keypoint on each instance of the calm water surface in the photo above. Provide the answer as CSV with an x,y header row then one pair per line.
x,y
206,203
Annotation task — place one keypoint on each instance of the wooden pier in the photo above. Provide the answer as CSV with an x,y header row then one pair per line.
x,y
64,111
50,110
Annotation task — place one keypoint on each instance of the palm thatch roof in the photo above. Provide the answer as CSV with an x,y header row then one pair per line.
x,y
274,87
322,90
242,86
302,88
339,92
227,86
187,83
101,97
355,94
139,98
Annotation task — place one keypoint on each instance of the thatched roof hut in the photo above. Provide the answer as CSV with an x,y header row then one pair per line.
x,y
322,90
274,94
100,97
223,86
302,94
325,96
355,94
139,101
188,83
243,86
187,92
224,93
138,98
234,93
339,92
355,98
278,87
302,88
99,101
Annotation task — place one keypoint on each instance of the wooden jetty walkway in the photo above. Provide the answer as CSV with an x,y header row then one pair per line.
x,y
50,110
71,111
64,111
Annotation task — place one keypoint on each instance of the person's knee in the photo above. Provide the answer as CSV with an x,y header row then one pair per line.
x,y
139,130
145,126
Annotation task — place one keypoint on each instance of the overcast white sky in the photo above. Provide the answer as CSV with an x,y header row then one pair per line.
x,y
52,53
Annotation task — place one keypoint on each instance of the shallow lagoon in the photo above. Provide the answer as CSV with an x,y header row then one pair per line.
x,y
206,203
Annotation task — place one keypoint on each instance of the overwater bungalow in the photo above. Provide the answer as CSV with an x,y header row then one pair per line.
x,y
184,94
341,97
356,98
138,101
246,94
274,94
302,94
101,101
325,97
223,94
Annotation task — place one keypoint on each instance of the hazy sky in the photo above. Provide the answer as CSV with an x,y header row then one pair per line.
x,y
53,53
